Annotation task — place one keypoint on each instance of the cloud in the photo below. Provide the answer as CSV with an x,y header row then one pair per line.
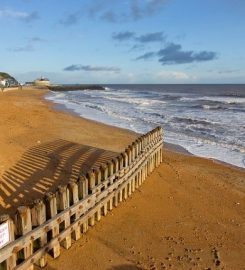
x,y
174,54
36,39
122,36
109,16
145,38
92,68
120,11
140,9
177,75
228,71
24,16
146,56
112,11
151,37
71,19
27,48
31,17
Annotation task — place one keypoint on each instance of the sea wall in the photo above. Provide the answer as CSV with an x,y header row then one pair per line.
x,y
59,217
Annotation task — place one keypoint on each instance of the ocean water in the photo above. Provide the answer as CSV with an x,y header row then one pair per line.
x,y
207,120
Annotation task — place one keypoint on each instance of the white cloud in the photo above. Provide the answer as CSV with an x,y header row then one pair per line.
x,y
177,75
13,14
25,16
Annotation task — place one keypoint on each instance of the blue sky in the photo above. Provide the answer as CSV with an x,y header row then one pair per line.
x,y
124,41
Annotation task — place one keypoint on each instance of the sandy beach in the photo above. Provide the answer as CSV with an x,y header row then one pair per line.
x,y
189,214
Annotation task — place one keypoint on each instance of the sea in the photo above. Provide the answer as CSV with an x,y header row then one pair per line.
x,y
207,120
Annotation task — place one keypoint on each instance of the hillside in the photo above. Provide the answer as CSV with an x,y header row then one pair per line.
x,y
4,75
11,79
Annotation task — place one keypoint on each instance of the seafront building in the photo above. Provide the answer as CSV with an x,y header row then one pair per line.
x,y
8,83
42,82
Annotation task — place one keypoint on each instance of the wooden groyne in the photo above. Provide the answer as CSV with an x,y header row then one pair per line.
x,y
59,217
75,87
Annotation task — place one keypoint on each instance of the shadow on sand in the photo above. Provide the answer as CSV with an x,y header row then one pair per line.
x,y
42,168
125,267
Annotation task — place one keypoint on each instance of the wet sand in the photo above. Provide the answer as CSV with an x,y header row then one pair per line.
x,y
189,214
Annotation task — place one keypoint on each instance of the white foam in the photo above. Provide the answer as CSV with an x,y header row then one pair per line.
x,y
132,110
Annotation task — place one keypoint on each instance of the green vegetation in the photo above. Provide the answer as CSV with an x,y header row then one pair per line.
x,y
11,81
4,75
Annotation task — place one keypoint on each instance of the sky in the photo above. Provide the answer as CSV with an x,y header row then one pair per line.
x,y
123,41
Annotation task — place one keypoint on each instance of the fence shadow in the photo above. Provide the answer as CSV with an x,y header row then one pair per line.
x,y
42,168
125,267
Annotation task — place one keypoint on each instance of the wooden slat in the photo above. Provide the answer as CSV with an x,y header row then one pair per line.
x,y
117,179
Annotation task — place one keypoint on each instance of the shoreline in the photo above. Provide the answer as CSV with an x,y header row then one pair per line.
x,y
175,220
169,146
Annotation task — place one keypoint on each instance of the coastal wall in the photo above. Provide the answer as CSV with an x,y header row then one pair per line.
x,y
59,217
4,89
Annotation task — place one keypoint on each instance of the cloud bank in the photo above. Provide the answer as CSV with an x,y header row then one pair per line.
x,y
112,11
174,54
145,38
92,68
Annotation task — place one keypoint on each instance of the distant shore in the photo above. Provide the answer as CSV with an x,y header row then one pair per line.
x,y
174,221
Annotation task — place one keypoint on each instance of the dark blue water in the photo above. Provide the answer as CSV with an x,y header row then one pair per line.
x,y
208,120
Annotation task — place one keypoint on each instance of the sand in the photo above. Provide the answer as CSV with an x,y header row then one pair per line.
x,y
189,214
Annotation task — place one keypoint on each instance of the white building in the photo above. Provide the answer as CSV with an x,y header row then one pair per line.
x,y
42,82
3,82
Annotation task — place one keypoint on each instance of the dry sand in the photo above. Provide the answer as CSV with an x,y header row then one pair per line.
x,y
189,214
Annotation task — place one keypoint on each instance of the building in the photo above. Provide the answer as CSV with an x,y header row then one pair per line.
x,y
3,82
42,82
9,82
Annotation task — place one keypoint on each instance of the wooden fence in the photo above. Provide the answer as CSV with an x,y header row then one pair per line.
x,y
59,217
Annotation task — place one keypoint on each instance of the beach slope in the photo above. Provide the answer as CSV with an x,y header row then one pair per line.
x,y
189,214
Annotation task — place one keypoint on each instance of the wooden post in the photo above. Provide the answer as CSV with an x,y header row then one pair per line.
x,y
120,195
63,201
51,211
73,192
134,150
125,193
83,193
130,187
143,172
116,165
110,204
110,168
98,214
133,183
151,163
125,159
82,187
91,182
38,216
97,173
137,144
104,209
10,263
140,145
91,220
23,225
74,198
120,161
136,181
129,153
104,171
115,199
